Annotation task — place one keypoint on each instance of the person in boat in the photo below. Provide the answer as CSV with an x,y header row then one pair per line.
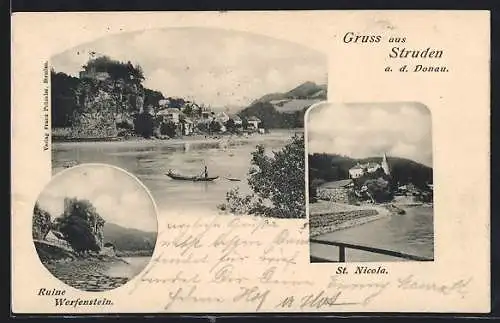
x,y
205,172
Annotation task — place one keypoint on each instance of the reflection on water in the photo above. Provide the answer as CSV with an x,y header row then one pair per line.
x,y
149,161
412,233
130,269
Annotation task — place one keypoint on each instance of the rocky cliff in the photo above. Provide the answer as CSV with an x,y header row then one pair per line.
x,y
101,104
42,223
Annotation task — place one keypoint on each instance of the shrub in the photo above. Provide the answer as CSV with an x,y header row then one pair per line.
x,y
277,183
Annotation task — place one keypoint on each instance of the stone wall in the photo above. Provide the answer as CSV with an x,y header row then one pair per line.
x,y
328,222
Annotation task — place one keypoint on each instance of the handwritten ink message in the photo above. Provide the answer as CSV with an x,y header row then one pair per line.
x,y
222,263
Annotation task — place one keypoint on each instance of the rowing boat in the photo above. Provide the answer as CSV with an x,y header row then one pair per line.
x,y
191,178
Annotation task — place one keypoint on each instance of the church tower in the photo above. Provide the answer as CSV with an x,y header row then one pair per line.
x,y
385,165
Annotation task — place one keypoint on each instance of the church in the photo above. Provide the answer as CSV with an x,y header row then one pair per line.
x,y
360,169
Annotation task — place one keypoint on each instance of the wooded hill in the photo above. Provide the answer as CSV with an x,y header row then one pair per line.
x,y
300,98
127,239
332,167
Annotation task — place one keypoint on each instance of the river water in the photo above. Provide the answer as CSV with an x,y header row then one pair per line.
x,y
150,160
411,233
132,267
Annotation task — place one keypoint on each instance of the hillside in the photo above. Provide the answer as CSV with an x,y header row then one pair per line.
x,y
272,118
286,110
127,239
293,105
328,168
306,90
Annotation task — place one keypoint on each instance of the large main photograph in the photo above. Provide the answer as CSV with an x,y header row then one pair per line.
x,y
209,120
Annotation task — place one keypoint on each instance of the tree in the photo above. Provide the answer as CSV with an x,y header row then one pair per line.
x,y
272,195
152,97
230,126
80,225
63,98
214,126
168,128
379,189
244,123
176,103
262,125
115,69
144,125
188,109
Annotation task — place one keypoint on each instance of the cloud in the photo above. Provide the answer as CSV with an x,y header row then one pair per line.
x,y
367,130
117,197
210,66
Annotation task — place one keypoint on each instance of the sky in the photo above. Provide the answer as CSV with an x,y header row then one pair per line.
x,y
371,129
117,197
211,66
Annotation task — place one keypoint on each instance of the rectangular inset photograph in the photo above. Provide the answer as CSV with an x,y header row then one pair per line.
x,y
370,182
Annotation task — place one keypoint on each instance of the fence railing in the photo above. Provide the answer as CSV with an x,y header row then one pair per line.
x,y
343,246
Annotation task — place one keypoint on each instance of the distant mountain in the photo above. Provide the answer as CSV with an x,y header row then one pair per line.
x,y
307,90
330,167
286,110
127,239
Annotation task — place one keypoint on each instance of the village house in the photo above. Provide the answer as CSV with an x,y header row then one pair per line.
x,y
164,103
356,171
360,169
191,108
169,114
222,116
206,113
253,122
238,122
187,126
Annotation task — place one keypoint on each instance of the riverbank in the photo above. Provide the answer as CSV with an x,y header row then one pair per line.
x,y
326,217
194,139
88,274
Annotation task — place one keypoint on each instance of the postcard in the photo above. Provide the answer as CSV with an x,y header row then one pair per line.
x,y
250,162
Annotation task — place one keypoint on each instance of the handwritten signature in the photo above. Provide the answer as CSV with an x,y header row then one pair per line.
x,y
411,283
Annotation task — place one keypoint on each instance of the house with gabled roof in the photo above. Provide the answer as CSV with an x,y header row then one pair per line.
x,y
170,114
253,122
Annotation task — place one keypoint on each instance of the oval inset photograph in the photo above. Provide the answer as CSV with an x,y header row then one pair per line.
x,y
95,227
